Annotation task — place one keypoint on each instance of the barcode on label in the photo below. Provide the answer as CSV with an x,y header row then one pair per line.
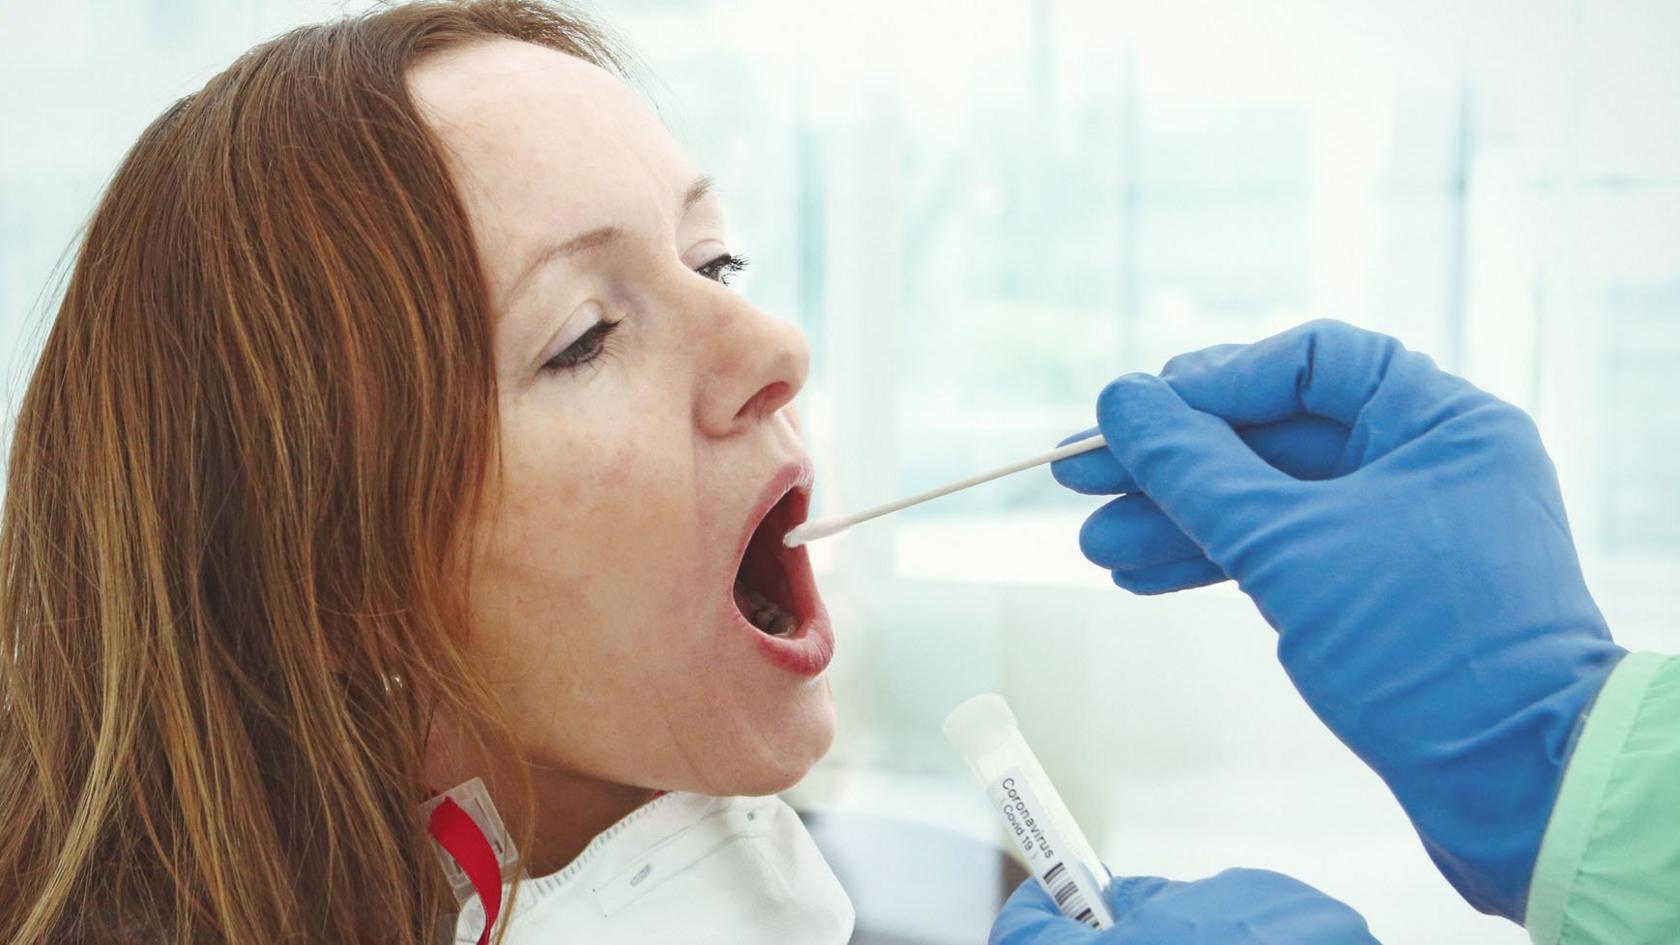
x,y
1066,893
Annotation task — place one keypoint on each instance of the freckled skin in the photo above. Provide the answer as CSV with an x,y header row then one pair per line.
x,y
606,550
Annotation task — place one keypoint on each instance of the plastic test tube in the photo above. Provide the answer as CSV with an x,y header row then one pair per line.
x,y
985,733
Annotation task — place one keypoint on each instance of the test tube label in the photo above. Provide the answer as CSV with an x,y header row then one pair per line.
x,y
1063,877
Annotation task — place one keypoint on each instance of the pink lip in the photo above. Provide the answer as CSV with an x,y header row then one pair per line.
x,y
809,648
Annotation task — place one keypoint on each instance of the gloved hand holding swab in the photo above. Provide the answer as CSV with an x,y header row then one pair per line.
x,y
824,527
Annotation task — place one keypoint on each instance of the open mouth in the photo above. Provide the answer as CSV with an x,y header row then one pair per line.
x,y
764,592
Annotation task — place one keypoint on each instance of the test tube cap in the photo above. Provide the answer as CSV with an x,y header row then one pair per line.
x,y
980,725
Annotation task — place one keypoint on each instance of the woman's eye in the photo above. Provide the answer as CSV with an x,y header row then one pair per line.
x,y
593,343
722,267
589,346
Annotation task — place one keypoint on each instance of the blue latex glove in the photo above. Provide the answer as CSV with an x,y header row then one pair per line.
x,y
1403,533
1237,907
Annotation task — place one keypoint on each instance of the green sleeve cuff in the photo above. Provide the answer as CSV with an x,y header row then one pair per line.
x,y
1608,872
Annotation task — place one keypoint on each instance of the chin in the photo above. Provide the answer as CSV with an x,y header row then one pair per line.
x,y
781,761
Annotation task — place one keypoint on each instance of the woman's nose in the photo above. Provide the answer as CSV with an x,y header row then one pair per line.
x,y
754,364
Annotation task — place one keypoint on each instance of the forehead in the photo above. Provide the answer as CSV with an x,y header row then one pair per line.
x,y
543,143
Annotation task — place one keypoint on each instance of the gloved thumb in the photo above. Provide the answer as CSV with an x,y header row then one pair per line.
x,y
1192,465
1030,917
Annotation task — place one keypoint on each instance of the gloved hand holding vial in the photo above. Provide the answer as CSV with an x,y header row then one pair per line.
x,y
1237,907
985,733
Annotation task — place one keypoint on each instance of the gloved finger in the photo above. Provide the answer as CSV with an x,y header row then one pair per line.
x,y
1306,447
1325,368
1030,917
1131,533
1096,472
1172,576
1192,464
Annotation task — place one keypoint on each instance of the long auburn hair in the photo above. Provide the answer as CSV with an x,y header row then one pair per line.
x,y
237,509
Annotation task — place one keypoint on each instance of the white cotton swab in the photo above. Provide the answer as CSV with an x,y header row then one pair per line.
x,y
824,527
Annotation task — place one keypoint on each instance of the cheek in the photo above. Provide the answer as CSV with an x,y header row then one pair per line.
x,y
600,536
585,591
591,490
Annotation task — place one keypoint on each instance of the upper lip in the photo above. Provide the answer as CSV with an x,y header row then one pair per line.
x,y
795,476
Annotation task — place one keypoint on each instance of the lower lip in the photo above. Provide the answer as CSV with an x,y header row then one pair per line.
x,y
808,649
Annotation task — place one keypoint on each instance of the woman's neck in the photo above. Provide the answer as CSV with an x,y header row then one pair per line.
x,y
571,811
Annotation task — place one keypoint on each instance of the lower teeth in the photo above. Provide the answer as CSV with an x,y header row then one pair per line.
x,y
765,614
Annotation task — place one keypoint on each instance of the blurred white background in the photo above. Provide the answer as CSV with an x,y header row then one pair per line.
x,y
980,213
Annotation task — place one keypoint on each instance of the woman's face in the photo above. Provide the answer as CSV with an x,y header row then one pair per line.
x,y
647,432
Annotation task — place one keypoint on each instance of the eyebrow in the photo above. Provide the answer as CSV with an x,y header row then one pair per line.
x,y
594,239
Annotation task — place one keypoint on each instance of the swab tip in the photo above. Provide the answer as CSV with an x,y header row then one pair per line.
x,y
811,531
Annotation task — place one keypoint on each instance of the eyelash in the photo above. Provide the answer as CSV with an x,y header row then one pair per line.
x,y
589,346
593,343
720,269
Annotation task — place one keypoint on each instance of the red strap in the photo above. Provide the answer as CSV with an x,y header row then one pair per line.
x,y
456,832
